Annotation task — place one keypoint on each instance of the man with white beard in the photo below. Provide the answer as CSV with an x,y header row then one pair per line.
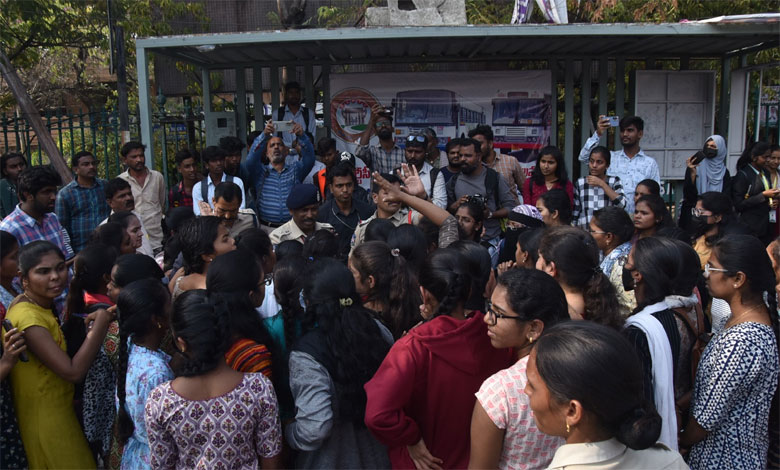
x,y
272,177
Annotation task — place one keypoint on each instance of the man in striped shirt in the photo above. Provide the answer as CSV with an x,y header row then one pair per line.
x,y
274,180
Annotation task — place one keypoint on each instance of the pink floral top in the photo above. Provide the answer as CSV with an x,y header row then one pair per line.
x,y
504,400
232,431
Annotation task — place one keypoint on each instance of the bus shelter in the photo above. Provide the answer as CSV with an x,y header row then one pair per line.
x,y
598,52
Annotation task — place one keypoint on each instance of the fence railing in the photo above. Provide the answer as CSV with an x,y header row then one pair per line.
x,y
98,131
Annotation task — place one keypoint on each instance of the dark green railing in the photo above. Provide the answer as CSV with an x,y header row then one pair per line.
x,y
98,132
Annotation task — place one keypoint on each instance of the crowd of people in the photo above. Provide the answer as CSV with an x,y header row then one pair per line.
x,y
272,313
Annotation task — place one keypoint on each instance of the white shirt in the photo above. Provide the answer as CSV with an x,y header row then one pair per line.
x,y
613,454
197,196
439,194
289,137
630,170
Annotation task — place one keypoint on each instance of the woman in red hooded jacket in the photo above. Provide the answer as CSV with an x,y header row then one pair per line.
x,y
420,400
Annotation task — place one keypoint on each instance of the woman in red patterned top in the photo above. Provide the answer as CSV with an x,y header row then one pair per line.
x,y
549,173
236,279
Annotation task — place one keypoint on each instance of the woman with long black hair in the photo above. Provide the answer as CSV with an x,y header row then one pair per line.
x,y
329,366
236,279
549,173
387,285
182,415
752,192
571,257
143,308
412,406
736,382
655,271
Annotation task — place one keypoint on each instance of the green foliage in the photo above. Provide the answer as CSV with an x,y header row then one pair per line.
x,y
59,46
334,17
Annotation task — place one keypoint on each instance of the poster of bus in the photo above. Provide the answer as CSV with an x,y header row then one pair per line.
x,y
516,104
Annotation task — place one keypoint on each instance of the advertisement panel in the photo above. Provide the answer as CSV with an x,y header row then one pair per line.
x,y
516,104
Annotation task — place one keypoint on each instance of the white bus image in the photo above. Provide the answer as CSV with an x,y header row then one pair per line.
x,y
443,110
521,123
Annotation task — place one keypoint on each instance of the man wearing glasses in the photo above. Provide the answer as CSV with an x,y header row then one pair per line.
x,y
416,149
386,156
81,204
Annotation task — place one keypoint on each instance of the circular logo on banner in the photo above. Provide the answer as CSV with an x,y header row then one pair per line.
x,y
350,112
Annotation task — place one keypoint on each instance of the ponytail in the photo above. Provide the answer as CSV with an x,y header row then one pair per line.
x,y
601,303
445,276
404,297
394,288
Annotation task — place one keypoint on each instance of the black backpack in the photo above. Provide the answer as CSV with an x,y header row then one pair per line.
x,y
204,187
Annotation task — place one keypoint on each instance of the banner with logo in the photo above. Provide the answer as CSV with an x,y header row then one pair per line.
x,y
516,104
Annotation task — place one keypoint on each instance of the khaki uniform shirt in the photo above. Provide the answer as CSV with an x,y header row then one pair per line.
x,y
246,219
403,216
290,231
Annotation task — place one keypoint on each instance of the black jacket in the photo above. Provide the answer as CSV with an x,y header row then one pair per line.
x,y
750,203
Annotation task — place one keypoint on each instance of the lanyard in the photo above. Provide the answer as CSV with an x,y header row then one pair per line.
x,y
763,178
767,186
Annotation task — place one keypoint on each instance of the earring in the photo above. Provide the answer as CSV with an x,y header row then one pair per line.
x,y
530,339
735,286
159,325
568,429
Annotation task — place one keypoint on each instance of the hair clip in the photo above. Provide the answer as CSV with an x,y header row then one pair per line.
x,y
345,302
395,252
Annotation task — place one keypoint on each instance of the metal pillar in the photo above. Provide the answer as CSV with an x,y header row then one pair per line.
x,y
145,105
241,121
725,86
620,93
568,120
257,93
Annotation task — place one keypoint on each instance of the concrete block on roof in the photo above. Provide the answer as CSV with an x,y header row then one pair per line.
x,y
425,13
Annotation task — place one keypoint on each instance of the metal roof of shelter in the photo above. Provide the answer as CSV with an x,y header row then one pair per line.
x,y
465,43
719,38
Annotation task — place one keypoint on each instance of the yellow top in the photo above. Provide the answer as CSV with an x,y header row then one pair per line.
x,y
703,250
50,432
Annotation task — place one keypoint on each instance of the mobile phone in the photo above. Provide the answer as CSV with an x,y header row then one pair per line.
x,y
283,126
614,121
698,157
8,327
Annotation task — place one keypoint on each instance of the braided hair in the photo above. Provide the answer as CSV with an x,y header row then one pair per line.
x,y
288,284
137,306
204,327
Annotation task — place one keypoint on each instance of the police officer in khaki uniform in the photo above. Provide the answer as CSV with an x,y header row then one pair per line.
x,y
303,204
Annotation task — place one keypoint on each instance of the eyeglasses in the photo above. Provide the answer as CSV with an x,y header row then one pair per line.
x,y
590,230
416,138
382,124
696,212
493,316
708,269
